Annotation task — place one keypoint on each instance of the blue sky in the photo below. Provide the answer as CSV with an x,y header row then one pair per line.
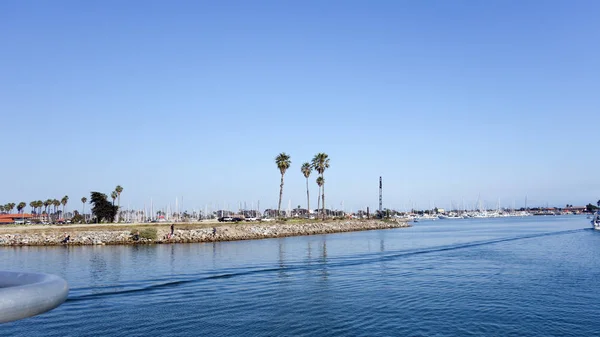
x,y
447,100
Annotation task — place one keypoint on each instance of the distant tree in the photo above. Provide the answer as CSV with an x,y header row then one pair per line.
x,y
101,208
306,170
320,163
47,204
119,189
83,201
21,206
77,218
320,182
56,205
113,196
283,163
64,202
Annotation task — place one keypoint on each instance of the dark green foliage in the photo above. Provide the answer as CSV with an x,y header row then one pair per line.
x,y
102,208
77,218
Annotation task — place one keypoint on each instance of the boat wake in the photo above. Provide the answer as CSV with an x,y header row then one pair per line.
x,y
146,286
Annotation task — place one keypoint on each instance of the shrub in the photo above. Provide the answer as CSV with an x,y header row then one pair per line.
x,y
146,233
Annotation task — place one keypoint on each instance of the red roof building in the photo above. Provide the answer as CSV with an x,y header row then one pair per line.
x,y
12,218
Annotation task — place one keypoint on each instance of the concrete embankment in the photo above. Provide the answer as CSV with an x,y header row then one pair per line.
x,y
185,234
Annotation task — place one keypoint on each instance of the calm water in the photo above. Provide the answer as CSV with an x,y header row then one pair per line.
x,y
536,276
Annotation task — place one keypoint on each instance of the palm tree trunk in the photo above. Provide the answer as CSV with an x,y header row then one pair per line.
x,y
307,200
119,209
323,196
280,196
318,203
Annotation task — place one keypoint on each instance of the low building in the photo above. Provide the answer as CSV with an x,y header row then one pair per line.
x,y
14,218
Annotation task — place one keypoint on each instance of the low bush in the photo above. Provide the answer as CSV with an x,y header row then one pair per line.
x,y
146,233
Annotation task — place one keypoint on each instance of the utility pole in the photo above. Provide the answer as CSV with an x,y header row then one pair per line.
x,y
380,198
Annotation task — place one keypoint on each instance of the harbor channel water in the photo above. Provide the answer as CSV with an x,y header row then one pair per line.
x,y
531,276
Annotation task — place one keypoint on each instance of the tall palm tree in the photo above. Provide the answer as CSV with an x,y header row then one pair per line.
x,y
47,204
320,182
33,206
64,202
113,195
21,206
320,163
56,204
306,170
83,201
11,206
119,189
283,163
1,209
39,205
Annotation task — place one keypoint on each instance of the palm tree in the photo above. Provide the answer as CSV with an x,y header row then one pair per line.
x,y
56,204
320,182
119,189
320,163
83,201
39,205
1,209
21,206
11,206
113,195
306,170
64,201
47,204
33,205
283,163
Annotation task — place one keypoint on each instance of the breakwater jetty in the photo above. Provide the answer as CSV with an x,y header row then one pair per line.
x,y
183,233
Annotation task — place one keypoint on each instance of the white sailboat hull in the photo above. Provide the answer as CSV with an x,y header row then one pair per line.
x,y
596,221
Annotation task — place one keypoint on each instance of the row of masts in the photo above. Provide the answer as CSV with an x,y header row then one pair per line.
x,y
150,212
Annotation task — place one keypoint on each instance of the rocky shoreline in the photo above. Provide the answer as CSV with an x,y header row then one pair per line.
x,y
233,232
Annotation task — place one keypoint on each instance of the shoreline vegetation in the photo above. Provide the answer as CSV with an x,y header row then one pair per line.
x,y
131,234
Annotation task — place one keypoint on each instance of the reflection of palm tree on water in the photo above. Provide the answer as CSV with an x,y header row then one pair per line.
x,y
282,265
324,272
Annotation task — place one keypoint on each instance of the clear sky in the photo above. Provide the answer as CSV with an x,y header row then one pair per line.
x,y
447,100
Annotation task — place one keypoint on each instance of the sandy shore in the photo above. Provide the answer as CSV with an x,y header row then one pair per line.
x,y
119,234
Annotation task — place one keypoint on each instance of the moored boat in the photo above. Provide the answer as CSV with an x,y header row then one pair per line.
x,y
596,220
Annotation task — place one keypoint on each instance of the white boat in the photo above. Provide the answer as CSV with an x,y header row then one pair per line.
x,y
451,216
426,217
596,220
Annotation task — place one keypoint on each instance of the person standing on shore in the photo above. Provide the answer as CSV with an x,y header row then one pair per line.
x,y
172,230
